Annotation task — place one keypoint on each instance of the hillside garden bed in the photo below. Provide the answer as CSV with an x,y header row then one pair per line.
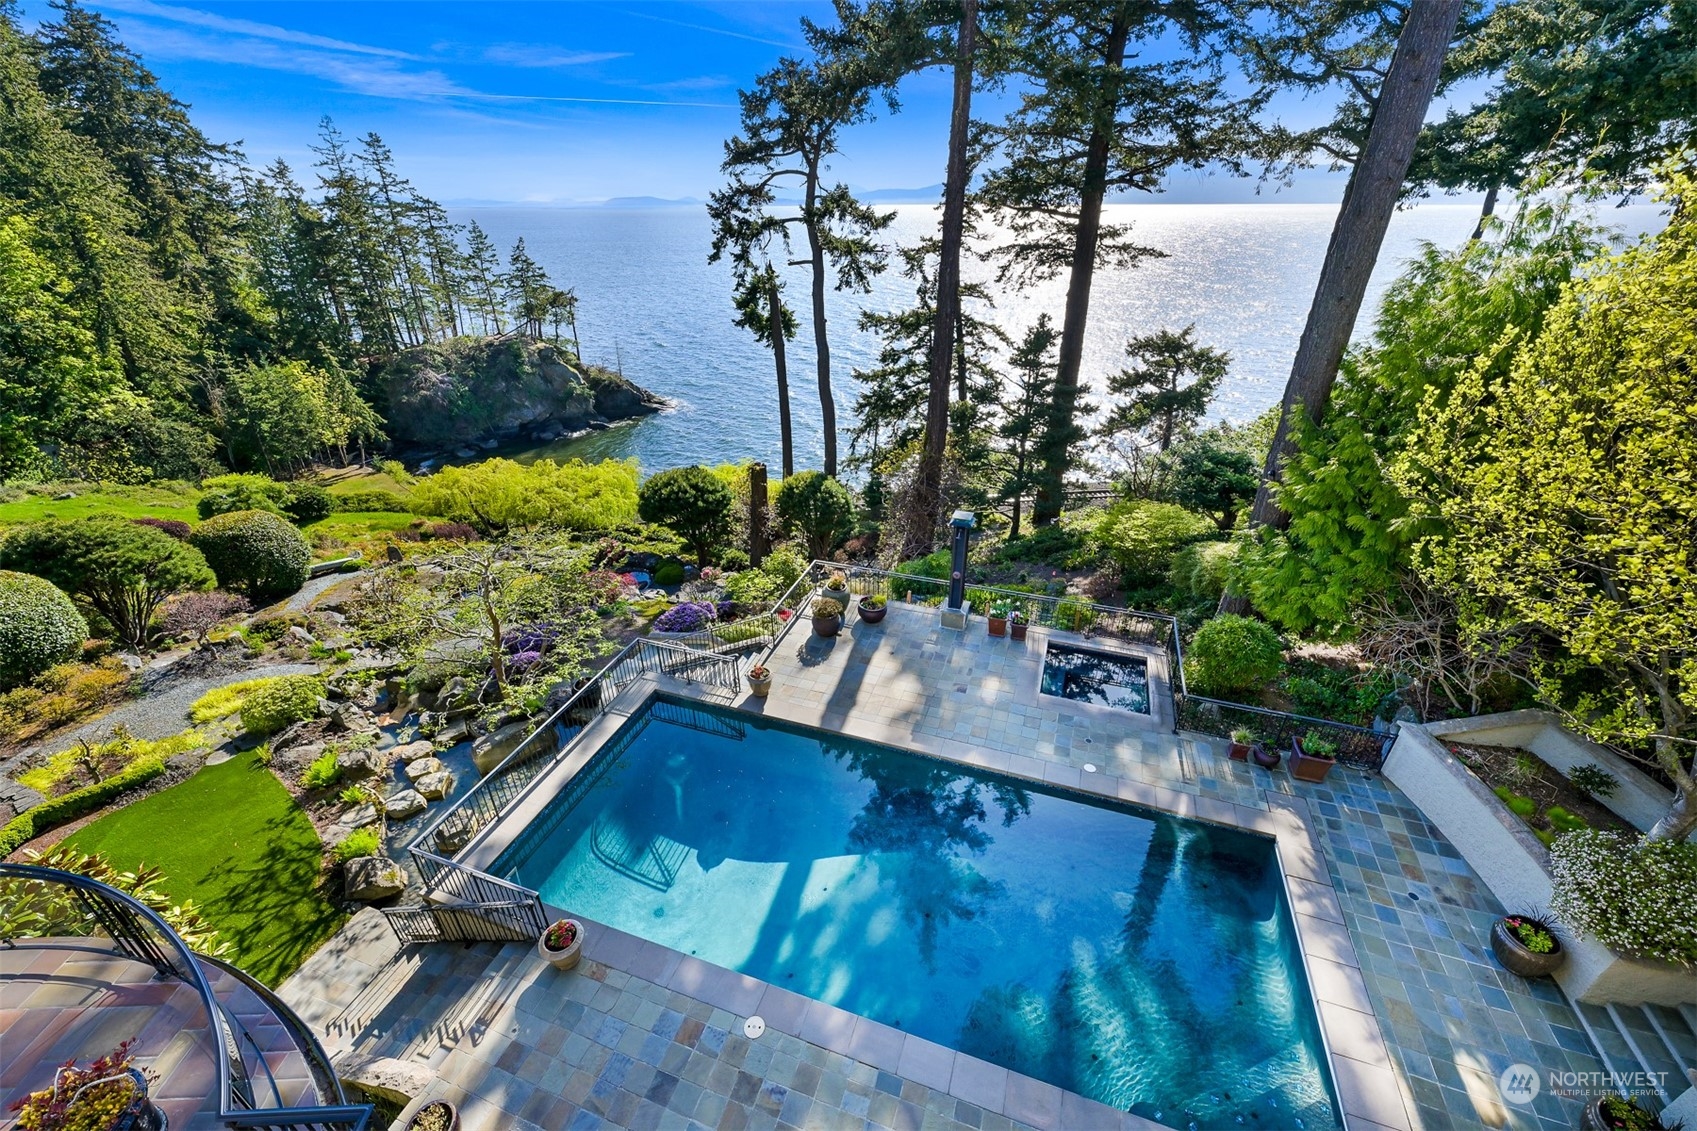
x,y
1536,792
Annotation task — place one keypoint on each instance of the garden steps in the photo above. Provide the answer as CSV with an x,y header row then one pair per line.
x,y
1645,1038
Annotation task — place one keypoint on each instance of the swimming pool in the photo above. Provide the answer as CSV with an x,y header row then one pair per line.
x,y
1143,960
1106,679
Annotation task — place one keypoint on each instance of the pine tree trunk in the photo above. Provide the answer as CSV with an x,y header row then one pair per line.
x,y
1368,203
927,494
821,347
1054,453
1485,212
775,317
1680,819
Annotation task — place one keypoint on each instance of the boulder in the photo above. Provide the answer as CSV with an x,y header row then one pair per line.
x,y
413,751
352,717
397,1081
492,749
356,818
404,804
418,767
359,762
301,635
373,877
435,786
298,756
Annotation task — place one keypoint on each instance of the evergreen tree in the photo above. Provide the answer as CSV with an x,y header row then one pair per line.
x,y
1027,414
527,291
481,280
1168,389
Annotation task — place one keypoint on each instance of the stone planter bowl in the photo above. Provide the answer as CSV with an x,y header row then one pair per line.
x,y
430,1117
827,626
561,959
1515,956
871,615
760,686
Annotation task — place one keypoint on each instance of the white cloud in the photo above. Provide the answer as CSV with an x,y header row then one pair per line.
x,y
252,28
532,55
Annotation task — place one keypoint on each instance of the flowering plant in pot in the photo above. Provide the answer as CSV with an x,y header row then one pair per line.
x,y
1017,625
827,617
1312,756
561,944
837,583
1526,946
760,680
998,619
437,1115
1621,1113
873,608
110,1094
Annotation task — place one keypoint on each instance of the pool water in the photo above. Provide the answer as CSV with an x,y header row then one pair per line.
x,y
1142,960
1102,678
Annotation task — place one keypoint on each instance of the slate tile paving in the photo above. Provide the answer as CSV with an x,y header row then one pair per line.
x,y
633,1054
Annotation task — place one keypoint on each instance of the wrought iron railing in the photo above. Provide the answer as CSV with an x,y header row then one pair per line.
x,y
1362,747
47,902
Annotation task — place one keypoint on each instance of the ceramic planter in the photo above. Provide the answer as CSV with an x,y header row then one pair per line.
x,y
437,1115
871,614
1265,758
1517,958
1239,751
561,959
760,686
827,626
1307,767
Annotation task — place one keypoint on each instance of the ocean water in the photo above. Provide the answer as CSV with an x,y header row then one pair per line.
x,y
651,305
1143,960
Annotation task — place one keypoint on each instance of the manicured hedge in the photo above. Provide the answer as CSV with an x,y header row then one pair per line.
x,y
56,811
370,502
39,627
255,552
287,699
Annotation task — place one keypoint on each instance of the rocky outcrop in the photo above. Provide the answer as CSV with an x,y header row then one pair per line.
x,y
483,392
373,877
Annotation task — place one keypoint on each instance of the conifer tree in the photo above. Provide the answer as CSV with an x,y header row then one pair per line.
x,y
1167,389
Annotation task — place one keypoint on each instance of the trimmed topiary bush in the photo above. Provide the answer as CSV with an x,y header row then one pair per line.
x,y
669,573
38,627
817,508
693,502
308,502
1232,655
226,494
254,552
286,700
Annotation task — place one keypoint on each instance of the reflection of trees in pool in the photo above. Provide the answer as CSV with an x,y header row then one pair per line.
x,y
923,819
1090,677
1176,1014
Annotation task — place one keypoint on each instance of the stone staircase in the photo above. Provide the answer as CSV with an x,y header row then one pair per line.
x,y
1656,1039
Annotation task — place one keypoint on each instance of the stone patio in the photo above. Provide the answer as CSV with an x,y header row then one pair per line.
x,y
1393,924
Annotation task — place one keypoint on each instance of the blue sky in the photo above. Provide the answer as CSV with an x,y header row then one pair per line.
x,y
525,102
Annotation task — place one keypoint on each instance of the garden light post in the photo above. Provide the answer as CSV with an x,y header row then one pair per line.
x,y
958,607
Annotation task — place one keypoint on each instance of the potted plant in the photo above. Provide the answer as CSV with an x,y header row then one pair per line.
x,y
1264,756
827,617
1312,756
998,619
1619,1113
1242,739
1526,946
437,1115
760,680
873,608
561,944
1017,625
108,1095
837,585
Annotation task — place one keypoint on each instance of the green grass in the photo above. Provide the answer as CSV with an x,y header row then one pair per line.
x,y
352,524
119,502
222,702
231,839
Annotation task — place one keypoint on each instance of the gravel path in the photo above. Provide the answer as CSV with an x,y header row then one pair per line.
x,y
302,598
164,711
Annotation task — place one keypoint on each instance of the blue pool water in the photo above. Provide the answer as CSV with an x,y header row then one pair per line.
x,y
1103,678
1143,960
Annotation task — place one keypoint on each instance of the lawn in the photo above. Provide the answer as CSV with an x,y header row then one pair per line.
x,y
231,839
119,502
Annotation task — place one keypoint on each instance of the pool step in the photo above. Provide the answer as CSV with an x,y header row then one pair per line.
x,y
1645,1038
1267,1088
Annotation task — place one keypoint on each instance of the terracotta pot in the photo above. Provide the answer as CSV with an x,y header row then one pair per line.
x,y
760,686
453,1113
871,615
827,626
1265,758
1306,767
1016,629
561,959
1239,751
1517,958
998,626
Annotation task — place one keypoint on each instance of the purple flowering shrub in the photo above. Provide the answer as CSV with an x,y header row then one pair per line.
x,y
523,661
536,638
690,616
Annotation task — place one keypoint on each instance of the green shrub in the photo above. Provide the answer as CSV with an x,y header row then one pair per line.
x,y
1232,655
669,573
934,565
1142,537
818,508
1593,781
371,502
107,758
752,587
1639,897
784,566
39,627
56,811
693,503
1201,570
733,559
323,772
1074,615
1521,806
222,702
308,502
254,551
1061,545
360,842
288,699
224,494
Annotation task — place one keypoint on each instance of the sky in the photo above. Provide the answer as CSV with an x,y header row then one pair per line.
x,y
541,102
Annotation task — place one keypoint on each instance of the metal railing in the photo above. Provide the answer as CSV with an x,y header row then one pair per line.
x,y
45,902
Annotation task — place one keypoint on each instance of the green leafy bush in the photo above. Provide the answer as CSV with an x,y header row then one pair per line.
x,y
323,771
56,811
1232,655
287,699
38,627
733,558
1061,545
1639,897
498,495
1593,781
1202,570
752,587
308,502
224,494
104,759
1142,537
693,503
370,502
784,566
1074,615
669,573
360,842
254,551
1327,693
935,565
222,702
818,508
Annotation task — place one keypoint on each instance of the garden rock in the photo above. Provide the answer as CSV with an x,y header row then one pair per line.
x,y
373,877
413,751
296,632
397,1081
350,717
356,818
492,749
404,804
435,786
357,763
393,553
418,768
